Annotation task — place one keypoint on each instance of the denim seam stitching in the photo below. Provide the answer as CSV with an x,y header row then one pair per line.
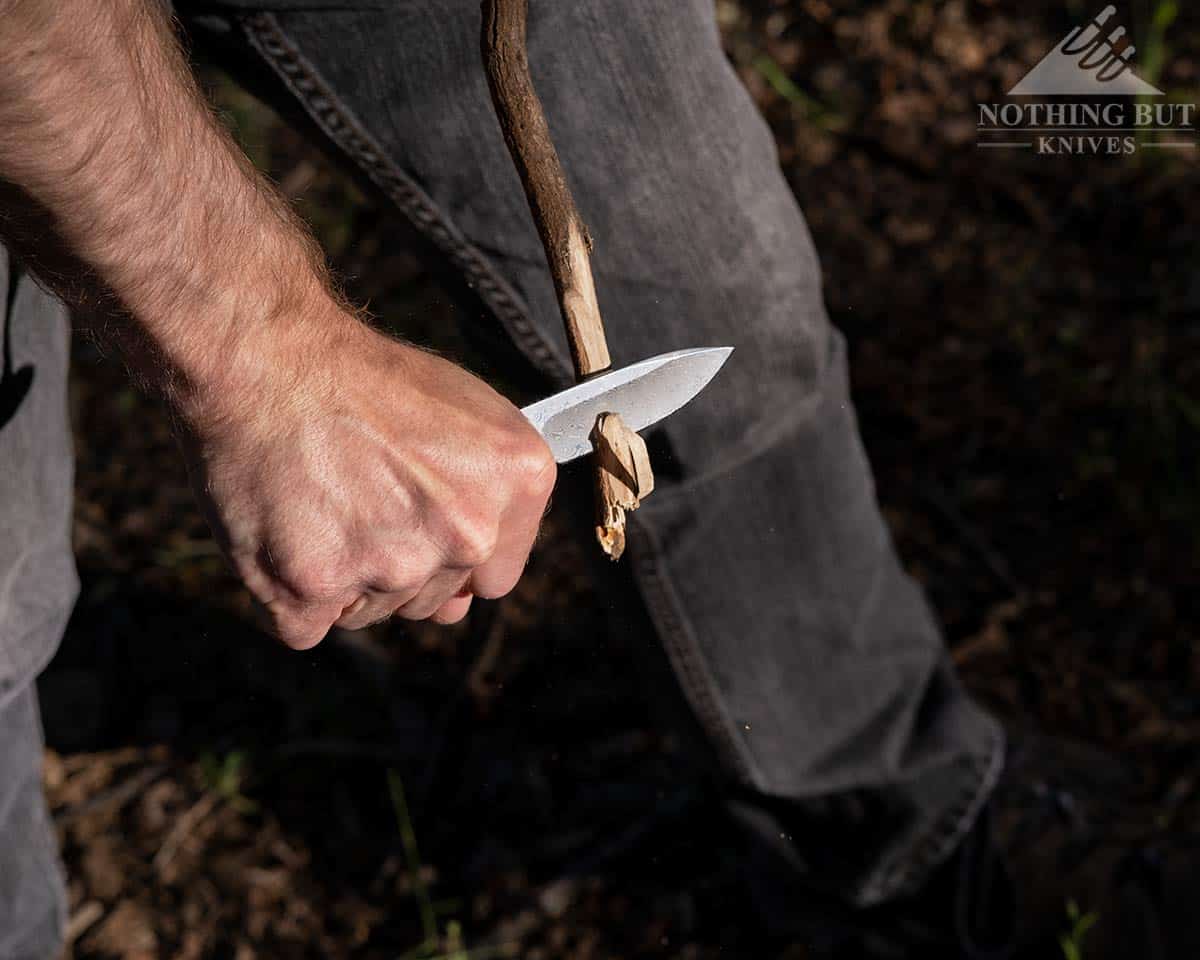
x,y
267,36
903,874
688,661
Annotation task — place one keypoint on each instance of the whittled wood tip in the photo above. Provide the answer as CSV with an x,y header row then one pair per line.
x,y
623,479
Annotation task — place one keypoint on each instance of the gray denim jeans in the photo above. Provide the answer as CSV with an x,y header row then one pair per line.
x,y
37,589
807,657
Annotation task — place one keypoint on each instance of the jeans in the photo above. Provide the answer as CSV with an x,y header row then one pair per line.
x,y
37,589
807,658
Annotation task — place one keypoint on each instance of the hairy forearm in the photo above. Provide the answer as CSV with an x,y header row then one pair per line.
x,y
103,129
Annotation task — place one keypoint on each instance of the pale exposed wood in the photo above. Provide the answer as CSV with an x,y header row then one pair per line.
x,y
623,479
564,235
580,309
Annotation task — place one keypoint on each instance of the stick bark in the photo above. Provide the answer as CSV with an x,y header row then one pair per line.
x,y
621,453
564,235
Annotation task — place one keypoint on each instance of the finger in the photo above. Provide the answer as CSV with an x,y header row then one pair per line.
x,y
501,572
441,588
454,609
371,607
301,627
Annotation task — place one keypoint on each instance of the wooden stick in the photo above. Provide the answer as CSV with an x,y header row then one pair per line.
x,y
622,467
564,236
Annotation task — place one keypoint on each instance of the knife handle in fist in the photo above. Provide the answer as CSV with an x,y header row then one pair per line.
x,y
358,478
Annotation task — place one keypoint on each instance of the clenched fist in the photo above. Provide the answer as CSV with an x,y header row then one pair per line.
x,y
365,478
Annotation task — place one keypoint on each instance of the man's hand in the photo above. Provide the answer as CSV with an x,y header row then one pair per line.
x,y
377,479
347,476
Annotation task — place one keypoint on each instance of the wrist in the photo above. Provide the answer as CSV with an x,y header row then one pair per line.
x,y
256,350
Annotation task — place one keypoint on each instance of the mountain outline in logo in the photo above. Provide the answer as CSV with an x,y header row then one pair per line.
x,y
1091,61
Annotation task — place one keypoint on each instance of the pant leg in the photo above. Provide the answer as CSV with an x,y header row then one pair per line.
x,y
33,900
37,589
808,656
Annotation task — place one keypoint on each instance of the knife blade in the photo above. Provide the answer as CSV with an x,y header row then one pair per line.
x,y
642,393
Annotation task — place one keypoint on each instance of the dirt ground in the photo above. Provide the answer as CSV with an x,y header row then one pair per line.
x,y
1023,334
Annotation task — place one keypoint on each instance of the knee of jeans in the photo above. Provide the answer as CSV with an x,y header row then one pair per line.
x,y
746,259
786,361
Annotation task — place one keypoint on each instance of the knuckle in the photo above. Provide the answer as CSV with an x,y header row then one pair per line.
x,y
396,575
310,580
535,468
473,542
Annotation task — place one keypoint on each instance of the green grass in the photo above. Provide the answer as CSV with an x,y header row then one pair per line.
x,y
449,943
813,110
225,778
1154,49
1071,941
